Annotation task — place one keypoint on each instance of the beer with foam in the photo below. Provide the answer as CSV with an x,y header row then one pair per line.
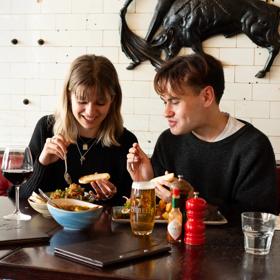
x,y
143,207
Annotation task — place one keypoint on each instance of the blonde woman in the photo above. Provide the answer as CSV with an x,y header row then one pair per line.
x,y
87,130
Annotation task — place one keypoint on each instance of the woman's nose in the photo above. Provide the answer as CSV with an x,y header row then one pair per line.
x,y
90,108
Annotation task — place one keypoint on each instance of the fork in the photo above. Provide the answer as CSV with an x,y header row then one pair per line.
x,y
47,199
67,176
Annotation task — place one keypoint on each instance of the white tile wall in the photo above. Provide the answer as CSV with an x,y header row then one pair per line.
x,y
237,56
74,27
113,6
88,6
5,6
23,7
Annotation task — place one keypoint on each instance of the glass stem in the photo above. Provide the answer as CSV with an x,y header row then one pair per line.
x,y
17,200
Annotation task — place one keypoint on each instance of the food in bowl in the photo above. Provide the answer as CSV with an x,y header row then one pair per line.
x,y
39,205
73,191
75,208
74,220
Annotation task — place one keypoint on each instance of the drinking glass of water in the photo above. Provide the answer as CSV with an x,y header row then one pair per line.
x,y
258,229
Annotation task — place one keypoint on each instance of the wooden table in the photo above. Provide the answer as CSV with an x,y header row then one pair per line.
x,y
222,257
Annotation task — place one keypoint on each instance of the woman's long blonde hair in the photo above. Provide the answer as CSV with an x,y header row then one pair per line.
x,y
91,72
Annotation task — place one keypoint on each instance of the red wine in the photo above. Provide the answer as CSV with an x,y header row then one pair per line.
x,y
17,176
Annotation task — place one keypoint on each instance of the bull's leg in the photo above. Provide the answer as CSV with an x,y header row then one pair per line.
x,y
232,32
196,46
273,51
175,48
194,40
160,12
172,50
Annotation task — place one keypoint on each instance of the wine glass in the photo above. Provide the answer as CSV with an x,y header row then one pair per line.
x,y
17,167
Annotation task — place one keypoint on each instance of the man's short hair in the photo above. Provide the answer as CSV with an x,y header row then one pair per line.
x,y
194,70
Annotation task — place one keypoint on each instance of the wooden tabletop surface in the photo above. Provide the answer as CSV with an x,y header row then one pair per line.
x,y
222,257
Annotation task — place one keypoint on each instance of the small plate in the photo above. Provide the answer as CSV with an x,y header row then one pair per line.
x,y
119,217
40,208
217,219
157,221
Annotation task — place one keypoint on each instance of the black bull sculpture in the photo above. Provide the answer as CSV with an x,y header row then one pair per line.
x,y
186,23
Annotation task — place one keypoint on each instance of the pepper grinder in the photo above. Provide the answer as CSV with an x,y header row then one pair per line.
x,y
195,227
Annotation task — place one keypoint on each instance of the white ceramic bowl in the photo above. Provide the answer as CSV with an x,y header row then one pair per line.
x,y
42,208
72,220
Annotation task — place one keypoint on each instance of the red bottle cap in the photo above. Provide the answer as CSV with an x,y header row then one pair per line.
x,y
176,192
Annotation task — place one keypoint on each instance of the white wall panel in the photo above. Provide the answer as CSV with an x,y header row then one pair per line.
x,y
87,6
71,28
54,6
24,6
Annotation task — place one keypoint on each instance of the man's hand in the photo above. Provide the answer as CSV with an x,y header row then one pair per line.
x,y
163,188
138,164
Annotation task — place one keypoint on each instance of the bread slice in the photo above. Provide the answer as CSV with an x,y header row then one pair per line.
x,y
93,177
167,177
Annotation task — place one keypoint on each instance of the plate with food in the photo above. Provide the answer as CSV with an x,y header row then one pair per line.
x,y
119,217
120,214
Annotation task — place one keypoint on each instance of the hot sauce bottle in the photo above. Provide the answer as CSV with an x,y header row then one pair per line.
x,y
183,197
195,227
175,219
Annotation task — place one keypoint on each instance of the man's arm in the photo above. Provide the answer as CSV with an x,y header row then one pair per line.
x,y
255,187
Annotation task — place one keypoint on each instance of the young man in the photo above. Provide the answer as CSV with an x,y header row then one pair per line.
x,y
228,161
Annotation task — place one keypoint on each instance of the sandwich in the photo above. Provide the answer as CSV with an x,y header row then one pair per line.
x,y
94,177
169,177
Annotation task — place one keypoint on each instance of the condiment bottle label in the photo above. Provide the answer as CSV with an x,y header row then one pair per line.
x,y
174,228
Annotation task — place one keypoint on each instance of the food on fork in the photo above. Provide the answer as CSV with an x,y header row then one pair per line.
x,y
93,177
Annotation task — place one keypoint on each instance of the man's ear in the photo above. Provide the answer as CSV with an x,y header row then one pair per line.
x,y
208,96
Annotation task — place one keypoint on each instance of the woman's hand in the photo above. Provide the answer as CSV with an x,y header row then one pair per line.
x,y
54,149
138,164
103,189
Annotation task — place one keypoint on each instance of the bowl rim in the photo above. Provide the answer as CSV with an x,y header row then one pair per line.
x,y
91,209
36,203
44,211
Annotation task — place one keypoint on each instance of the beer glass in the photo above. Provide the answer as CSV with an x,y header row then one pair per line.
x,y
143,207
